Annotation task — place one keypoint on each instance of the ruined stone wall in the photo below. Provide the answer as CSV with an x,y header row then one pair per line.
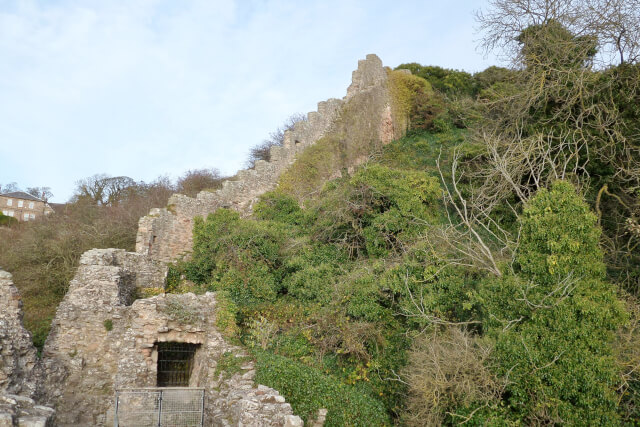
x,y
22,411
17,353
102,340
17,365
166,233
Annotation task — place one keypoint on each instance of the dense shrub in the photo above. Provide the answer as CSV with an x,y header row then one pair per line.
x,y
280,207
238,256
415,106
308,389
7,221
427,291
453,82
377,211
554,322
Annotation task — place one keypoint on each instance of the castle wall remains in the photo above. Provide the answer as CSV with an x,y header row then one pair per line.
x,y
102,340
166,233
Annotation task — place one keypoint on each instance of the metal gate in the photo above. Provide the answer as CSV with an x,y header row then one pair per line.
x,y
159,407
175,362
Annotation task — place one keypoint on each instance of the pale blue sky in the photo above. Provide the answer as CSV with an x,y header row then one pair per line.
x,y
148,87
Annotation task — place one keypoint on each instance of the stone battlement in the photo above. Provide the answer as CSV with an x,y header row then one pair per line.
x,y
166,233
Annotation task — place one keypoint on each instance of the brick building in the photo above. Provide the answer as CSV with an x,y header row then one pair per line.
x,y
23,206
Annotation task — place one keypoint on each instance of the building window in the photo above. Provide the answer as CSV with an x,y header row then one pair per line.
x,y
30,205
20,203
9,202
26,217
10,213
32,216
5,213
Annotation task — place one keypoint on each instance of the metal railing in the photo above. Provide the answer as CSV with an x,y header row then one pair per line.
x,y
159,407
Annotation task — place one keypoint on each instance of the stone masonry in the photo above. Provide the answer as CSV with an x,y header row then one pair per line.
x,y
21,411
17,354
166,233
103,340
17,364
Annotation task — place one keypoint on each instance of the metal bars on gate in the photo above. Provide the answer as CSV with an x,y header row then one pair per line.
x,y
159,407
175,362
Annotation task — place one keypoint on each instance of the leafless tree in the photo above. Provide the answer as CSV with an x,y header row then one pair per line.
x,y
195,180
262,151
43,193
9,187
615,24
103,189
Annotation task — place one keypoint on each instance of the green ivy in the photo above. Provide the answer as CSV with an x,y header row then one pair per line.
x,y
308,389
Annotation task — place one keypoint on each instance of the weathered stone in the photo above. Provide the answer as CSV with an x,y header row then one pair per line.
x,y
320,418
21,411
293,421
84,362
17,353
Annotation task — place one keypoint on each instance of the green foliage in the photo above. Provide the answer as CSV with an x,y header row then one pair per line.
x,y
554,322
313,166
377,211
553,44
414,104
280,207
627,351
308,389
493,75
559,238
312,283
174,276
448,81
428,291
229,364
305,282
419,150
261,332
240,257
108,325
226,314
7,221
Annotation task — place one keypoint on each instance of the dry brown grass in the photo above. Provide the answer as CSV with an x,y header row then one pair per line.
x,y
447,370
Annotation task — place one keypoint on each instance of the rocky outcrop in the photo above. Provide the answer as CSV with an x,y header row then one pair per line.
x,y
21,411
102,340
17,353
166,233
